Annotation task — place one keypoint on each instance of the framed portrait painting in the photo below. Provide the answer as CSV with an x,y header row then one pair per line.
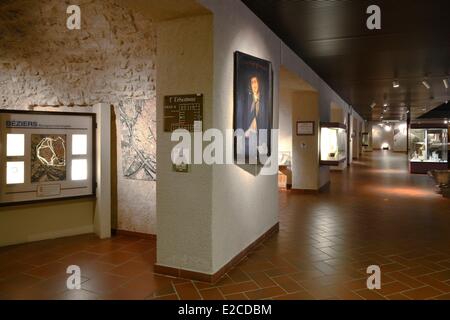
x,y
253,107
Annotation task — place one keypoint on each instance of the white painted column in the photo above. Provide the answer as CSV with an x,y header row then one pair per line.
x,y
102,215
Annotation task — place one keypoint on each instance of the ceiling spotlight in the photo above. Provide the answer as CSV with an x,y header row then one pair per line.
x,y
395,84
373,105
426,84
385,104
445,83
407,111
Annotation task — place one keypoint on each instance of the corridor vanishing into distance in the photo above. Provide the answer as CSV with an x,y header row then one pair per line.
x,y
375,213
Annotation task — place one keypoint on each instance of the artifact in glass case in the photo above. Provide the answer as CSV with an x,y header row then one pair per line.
x,y
333,143
428,149
365,139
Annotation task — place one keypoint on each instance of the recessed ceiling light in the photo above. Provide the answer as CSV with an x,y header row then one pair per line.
x,y
426,84
445,83
395,84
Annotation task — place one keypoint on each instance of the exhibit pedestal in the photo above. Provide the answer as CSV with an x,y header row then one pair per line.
x,y
424,167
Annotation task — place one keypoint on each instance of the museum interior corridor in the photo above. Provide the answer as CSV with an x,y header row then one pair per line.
x,y
374,213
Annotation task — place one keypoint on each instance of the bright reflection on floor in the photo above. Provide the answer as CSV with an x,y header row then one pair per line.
x,y
406,192
389,171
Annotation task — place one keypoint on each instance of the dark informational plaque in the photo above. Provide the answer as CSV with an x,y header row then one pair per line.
x,y
183,112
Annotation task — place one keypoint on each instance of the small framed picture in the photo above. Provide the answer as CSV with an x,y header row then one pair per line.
x,y
305,128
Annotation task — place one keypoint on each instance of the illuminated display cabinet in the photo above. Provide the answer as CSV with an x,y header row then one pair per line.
x,y
333,143
46,155
428,147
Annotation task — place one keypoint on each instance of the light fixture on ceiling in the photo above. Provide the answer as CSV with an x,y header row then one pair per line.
x,y
426,84
373,105
395,84
385,104
445,83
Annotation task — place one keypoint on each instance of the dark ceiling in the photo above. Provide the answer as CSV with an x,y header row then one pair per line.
x,y
360,64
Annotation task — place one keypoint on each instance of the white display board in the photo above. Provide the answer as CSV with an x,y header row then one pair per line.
x,y
46,155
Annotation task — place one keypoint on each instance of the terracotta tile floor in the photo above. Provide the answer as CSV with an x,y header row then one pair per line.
x,y
374,213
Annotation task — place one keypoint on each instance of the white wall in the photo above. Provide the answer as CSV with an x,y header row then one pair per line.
x,y
326,95
400,137
183,204
285,120
305,149
243,206
396,137
380,136
207,217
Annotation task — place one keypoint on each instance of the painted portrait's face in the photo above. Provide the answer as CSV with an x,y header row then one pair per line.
x,y
255,85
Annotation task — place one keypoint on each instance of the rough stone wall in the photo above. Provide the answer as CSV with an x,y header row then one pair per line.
x,y
43,64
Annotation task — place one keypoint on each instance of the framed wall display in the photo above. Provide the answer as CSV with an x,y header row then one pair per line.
x,y
183,112
46,155
305,128
253,102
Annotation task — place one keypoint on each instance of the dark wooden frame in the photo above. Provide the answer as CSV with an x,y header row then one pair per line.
x,y
333,125
429,125
94,157
306,134
235,76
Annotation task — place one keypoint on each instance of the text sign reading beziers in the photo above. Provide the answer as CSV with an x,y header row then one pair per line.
x,y
181,112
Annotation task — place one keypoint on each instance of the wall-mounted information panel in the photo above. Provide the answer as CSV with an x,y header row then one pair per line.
x,y
183,112
46,155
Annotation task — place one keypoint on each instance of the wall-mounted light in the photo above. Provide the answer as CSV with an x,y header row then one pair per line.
x,y
395,84
426,84
445,83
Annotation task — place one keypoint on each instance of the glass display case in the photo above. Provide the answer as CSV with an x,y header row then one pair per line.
x,y
333,144
428,149
365,139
